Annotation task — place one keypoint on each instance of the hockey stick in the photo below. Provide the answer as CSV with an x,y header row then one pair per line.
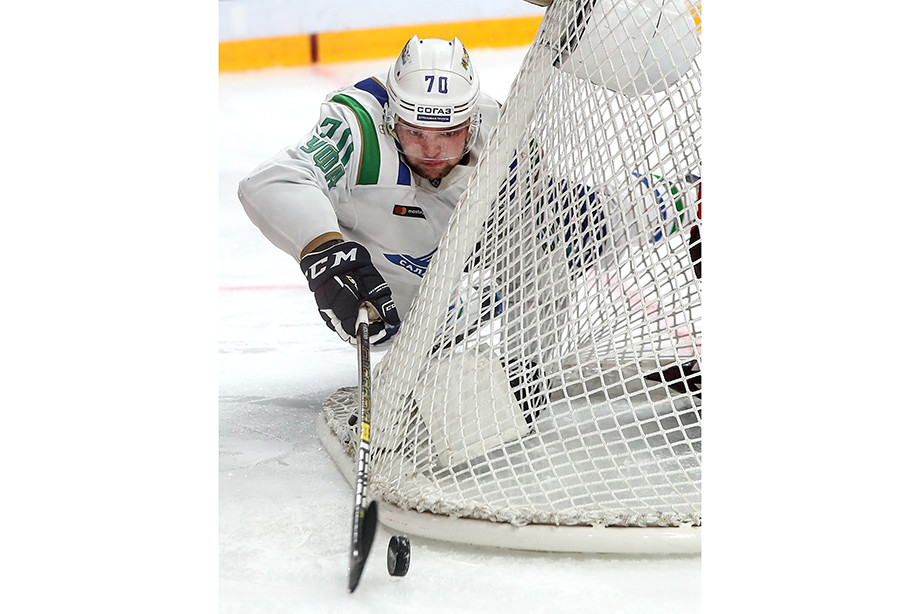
x,y
364,521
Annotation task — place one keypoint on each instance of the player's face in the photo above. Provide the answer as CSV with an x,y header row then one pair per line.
x,y
432,152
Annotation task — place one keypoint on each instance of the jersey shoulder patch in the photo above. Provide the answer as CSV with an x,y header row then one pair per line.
x,y
366,100
331,147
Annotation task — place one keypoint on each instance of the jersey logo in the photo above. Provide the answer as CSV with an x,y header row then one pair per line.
x,y
406,211
326,156
418,265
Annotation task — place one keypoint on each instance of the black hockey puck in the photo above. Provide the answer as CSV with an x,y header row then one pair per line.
x,y
398,555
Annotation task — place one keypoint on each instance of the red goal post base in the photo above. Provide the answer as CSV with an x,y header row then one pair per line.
x,y
534,537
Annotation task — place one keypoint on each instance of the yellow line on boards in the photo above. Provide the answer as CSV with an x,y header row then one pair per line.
x,y
264,53
353,45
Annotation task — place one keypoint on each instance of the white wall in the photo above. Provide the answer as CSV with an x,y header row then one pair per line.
x,y
246,19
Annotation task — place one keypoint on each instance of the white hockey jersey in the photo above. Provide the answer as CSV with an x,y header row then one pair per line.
x,y
346,176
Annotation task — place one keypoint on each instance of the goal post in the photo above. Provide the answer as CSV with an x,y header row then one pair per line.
x,y
545,389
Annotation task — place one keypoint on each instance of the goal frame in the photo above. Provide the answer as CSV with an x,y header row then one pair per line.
x,y
530,537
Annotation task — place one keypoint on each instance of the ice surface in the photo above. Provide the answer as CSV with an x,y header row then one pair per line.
x,y
285,510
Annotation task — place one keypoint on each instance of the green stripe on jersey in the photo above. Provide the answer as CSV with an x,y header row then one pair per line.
x,y
369,168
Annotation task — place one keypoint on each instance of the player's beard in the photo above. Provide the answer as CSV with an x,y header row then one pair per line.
x,y
436,169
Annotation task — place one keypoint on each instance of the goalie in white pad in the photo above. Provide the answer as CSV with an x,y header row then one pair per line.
x,y
468,406
646,45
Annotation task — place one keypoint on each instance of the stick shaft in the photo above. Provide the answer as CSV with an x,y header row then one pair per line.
x,y
361,534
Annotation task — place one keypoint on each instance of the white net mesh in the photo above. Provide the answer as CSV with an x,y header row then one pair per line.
x,y
549,370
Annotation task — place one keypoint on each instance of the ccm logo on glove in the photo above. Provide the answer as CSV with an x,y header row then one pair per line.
x,y
343,278
319,267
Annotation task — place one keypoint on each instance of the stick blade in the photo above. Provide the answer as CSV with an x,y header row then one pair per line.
x,y
362,549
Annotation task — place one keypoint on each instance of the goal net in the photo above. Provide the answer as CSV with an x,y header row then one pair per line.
x,y
544,391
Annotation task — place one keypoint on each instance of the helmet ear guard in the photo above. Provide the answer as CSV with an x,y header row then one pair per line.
x,y
433,85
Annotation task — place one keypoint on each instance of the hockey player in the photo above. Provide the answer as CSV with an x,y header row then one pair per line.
x,y
361,202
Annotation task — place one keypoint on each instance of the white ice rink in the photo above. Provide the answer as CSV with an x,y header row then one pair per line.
x,y
285,510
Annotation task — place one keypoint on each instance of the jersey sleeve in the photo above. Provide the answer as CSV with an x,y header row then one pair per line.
x,y
304,191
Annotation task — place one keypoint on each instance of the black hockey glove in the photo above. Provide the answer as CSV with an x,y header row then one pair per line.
x,y
342,278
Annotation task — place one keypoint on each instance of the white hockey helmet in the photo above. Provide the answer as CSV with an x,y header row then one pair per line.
x,y
433,85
